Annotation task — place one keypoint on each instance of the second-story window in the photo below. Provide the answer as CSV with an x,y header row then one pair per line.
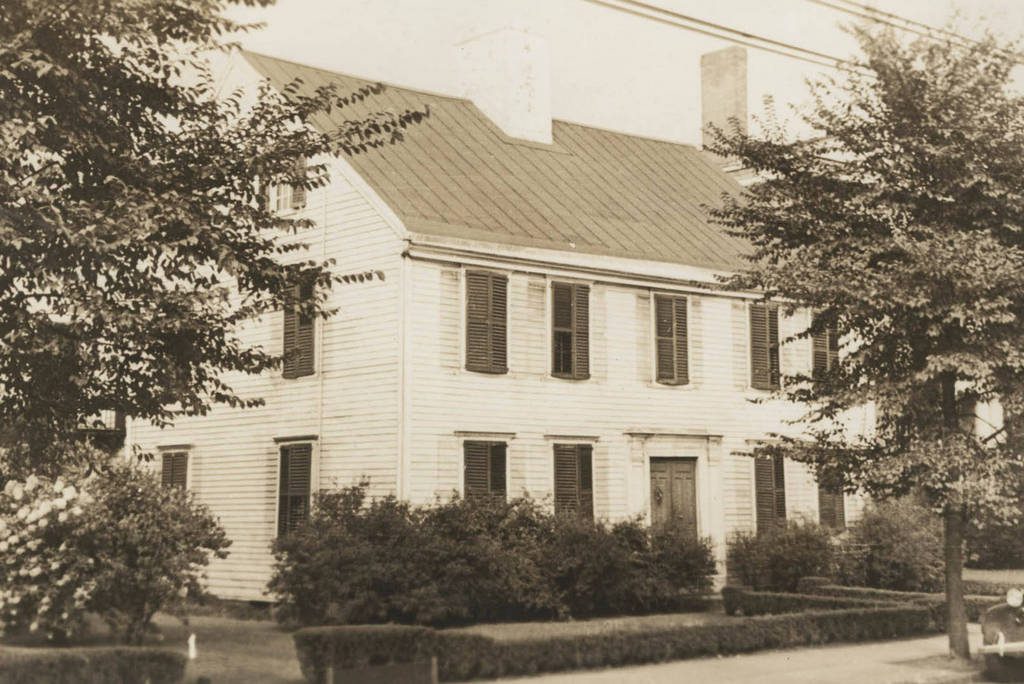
x,y
486,322
298,342
764,346
826,351
570,331
671,343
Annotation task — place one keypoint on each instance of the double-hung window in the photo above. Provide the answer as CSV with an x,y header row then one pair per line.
x,y
298,339
770,492
174,469
570,331
295,483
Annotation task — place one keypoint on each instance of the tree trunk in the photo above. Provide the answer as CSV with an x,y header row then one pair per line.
x,y
953,519
956,613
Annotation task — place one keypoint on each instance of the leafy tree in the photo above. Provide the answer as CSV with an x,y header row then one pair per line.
x,y
900,226
132,205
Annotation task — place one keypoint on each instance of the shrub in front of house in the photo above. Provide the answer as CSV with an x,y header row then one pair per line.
x,y
117,544
895,545
371,561
778,559
463,655
93,665
993,545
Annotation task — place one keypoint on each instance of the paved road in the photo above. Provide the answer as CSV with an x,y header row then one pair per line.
x,y
917,661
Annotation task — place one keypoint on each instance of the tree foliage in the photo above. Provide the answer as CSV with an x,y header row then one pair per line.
x,y
900,225
134,234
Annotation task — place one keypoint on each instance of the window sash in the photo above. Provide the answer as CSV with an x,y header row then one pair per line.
x,y
299,334
294,486
486,322
769,492
570,331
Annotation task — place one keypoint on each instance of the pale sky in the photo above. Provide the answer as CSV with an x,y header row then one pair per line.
x,y
608,68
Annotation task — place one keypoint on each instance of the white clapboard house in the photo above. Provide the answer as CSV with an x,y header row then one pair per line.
x,y
528,306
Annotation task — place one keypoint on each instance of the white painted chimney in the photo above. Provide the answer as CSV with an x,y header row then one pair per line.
x,y
507,74
723,90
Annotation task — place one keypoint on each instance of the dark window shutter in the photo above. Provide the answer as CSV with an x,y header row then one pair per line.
x,y
484,470
779,473
294,487
574,482
175,469
831,508
299,335
570,331
665,333
672,361
764,346
486,322
561,330
769,492
581,332
299,191
826,351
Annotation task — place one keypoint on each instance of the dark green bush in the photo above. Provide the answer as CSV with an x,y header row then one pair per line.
x,y
463,656
778,559
994,545
96,665
359,561
895,545
741,601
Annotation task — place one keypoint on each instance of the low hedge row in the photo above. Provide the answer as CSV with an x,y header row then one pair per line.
x,y
976,604
462,656
981,588
743,601
91,665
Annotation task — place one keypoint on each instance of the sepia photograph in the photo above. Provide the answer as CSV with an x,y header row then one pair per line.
x,y
531,341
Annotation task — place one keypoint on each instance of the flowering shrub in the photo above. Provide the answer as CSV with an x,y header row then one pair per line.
x,y
44,583
117,544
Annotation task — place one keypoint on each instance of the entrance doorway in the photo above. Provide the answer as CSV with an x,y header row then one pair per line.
x,y
674,493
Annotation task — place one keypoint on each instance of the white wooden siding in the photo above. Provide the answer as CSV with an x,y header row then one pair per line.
x,y
619,399
351,403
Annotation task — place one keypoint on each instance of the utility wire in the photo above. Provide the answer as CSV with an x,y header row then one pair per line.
x,y
707,28
904,24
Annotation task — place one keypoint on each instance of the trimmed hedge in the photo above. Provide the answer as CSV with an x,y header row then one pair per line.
x,y
982,588
462,656
91,665
746,602
976,604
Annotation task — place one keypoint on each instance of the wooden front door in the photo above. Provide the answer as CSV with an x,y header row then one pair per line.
x,y
674,493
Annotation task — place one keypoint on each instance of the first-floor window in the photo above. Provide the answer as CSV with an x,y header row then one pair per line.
x,y
484,470
770,492
831,507
294,486
174,471
574,480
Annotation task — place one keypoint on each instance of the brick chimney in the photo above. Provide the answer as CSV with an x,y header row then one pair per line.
x,y
506,73
723,90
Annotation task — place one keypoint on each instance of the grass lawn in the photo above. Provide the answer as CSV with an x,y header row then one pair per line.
x,y
510,631
995,576
234,651
230,650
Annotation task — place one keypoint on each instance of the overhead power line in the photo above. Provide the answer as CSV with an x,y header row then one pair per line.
x,y
708,28
918,28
